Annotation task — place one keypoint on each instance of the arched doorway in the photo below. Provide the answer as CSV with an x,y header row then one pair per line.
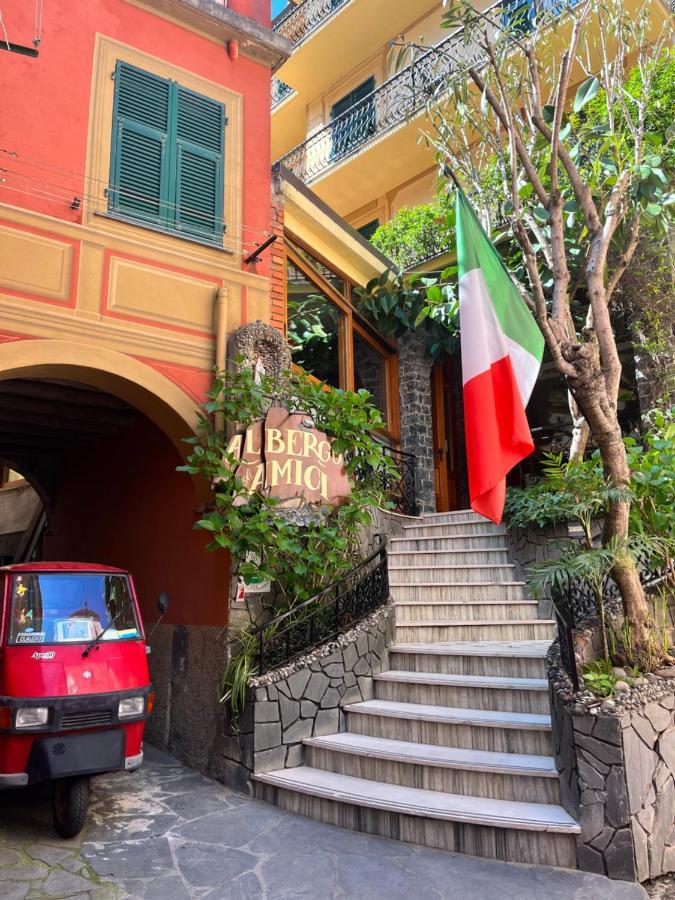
x,y
99,436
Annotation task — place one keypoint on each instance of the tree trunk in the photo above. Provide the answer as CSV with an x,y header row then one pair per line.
x,y
580,432
615,531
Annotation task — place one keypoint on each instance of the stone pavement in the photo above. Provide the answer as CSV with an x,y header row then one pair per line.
x,y
166,832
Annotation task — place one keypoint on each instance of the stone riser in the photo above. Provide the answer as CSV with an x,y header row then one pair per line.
x,y
466,592
450,530
458,515
443,558
470,543
419,611
505,666
440,574
444,734
513,631
500,699
496,785
512,845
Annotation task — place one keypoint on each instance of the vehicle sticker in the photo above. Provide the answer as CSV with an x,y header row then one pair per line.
x,y
21,590
31,637
47,654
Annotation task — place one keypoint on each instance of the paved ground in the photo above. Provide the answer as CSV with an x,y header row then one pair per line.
x,y
167,833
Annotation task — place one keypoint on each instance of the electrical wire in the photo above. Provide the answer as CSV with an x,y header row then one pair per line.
x,y
66,194
4,30
246,246
38,24
97,199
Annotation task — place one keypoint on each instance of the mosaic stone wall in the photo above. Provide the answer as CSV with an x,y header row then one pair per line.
x,y
617,775
305,698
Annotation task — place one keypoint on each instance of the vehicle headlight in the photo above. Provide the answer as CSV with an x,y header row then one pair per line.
x,y
130,706
31,716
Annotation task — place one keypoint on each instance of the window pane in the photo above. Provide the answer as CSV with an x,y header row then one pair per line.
x,y
370,373
328,275
49,608
313,328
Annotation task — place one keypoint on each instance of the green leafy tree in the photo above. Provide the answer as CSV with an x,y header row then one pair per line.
x,y
398,304
578,194
416,234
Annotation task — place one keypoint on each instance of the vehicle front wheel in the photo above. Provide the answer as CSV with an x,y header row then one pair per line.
x,y
70,801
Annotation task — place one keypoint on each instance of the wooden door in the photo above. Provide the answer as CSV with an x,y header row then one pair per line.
x,y
444,436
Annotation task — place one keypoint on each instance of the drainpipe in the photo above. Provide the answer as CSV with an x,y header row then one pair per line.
x,y
221,341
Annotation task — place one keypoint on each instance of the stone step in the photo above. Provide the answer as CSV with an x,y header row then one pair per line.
x,y
503,776
528,695
458,590
474,629
432,610
444,573
499,829
434,558
429,529
475,729
511,659
457,515
456,543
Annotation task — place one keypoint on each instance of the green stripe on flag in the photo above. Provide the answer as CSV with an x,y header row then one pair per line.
x,y
476,251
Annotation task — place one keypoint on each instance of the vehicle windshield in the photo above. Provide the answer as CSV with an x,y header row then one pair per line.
x,y
49,608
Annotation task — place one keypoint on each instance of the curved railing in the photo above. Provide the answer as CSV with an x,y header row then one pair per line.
x,y
574,603
280,90
331,612
402,95
301,20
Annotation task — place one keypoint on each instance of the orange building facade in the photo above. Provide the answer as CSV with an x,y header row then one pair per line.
x,y
134,187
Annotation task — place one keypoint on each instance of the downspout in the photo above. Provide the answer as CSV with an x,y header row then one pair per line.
x,y
221,342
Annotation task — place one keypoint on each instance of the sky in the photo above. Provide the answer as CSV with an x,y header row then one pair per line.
x,y
277,6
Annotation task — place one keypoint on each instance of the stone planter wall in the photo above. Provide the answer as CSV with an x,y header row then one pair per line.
x,y
189,721
616,762
305,698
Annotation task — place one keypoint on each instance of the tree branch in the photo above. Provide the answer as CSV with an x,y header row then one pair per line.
x,y
523,155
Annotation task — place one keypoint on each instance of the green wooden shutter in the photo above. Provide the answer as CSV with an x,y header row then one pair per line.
x,y
200,137
139,167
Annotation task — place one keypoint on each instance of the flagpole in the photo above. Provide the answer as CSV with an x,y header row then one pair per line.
x,y
447,171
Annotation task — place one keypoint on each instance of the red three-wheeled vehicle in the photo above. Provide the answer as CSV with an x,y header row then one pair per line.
x,y
74,682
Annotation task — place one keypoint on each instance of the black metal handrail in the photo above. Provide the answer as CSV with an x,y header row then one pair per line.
x,y
301,20
402,95
401,487
575,603
334,609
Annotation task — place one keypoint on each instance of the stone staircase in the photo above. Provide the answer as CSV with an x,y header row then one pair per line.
x,y
454,751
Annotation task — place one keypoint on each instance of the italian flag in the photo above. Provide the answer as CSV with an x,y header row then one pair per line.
x,y
502,348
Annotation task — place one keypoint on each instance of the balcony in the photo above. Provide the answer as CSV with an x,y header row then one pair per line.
x,y
388,107
280,91
300,21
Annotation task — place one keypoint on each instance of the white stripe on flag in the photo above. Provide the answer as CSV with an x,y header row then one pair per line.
x,y
482,339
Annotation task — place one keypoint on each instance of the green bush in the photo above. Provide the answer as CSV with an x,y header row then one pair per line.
x,y
576,490
415,234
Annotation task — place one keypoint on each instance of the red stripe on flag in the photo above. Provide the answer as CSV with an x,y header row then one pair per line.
x,y
497,436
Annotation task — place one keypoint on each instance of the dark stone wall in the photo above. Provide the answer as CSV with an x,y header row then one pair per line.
x,y
188,720
305,698
617,777
414,376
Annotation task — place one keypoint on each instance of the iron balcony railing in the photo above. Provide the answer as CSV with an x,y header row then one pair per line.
x,y
396,100
300,21
332,611
280,90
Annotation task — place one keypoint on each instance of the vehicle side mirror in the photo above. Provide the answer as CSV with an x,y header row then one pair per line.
x,y
163,602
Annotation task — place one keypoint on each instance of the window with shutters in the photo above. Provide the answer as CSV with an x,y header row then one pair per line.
x,y
167,160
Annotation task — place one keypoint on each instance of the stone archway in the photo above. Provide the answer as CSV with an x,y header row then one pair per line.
x,y
137,383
